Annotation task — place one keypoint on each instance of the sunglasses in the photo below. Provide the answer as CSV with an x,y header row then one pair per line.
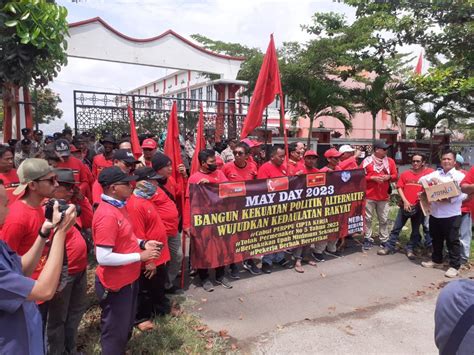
x,y
52,180
121,184
238,153
66,185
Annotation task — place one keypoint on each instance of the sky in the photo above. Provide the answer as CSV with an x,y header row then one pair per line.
x,y
248,22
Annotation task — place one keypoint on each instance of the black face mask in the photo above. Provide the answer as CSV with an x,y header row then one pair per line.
x,y
211,167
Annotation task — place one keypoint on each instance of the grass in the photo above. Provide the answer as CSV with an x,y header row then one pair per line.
x,y
183,334
404,236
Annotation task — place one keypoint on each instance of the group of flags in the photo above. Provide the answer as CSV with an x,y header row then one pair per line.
x,y
268,86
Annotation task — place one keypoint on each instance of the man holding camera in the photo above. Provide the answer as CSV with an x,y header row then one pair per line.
x,y
20,320
69,304
119,255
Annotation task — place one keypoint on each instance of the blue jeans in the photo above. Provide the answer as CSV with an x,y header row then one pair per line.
x,y
273,258
416,219
465,237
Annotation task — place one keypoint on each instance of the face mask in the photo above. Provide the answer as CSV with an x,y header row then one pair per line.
x,y
211,167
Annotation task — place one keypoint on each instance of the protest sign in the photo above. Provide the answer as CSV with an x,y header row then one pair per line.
x,y
235,221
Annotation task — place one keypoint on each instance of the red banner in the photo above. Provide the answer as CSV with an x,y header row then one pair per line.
x,y
235,221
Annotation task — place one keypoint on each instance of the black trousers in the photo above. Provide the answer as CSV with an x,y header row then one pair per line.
x,y
117,317
204,273
151,295
446,229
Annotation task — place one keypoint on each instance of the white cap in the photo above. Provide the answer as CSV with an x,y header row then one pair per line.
x,y
346,148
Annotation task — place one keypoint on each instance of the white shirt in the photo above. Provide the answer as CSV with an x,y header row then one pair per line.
x,y
451,207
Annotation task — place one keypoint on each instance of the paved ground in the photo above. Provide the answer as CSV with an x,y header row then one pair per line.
x,y
362,303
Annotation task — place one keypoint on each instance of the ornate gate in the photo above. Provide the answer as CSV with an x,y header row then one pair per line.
x,y
98,111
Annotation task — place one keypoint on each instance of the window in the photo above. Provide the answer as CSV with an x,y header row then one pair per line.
x,y
200,94
209,93
181,101
193,97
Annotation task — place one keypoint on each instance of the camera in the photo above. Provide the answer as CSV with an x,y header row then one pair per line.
x,y
62,206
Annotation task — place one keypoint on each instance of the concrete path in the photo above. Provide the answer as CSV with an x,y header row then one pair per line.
x,y
355,295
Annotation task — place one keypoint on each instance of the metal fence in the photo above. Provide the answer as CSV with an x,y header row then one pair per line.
x,y
99,111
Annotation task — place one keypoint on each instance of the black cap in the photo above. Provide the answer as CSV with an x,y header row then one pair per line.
x,y
12,142
159,161
65,175
61,146
25,141
380,144
25,131
125,155
39,132
147,174
57,135
108,138
114,174
67,131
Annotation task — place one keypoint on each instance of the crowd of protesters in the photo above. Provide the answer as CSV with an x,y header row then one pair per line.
x,y
126,211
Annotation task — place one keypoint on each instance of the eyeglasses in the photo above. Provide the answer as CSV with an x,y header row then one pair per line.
x,y
121,183
52,180
238,153
66,185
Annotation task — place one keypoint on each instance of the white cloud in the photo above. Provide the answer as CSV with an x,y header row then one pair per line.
x,y
249,22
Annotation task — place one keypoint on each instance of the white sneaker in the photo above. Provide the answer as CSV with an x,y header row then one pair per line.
x,y
452,272
431,264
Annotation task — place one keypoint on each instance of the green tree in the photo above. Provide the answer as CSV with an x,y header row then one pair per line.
x,y
45,105
443,28
32,41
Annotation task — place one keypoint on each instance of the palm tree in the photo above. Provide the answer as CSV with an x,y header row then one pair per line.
x,y
377,95
314,97
430,112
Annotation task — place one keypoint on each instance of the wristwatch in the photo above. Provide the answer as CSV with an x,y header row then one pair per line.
x,y
43,235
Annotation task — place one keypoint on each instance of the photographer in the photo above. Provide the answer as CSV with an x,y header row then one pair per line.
x,y
20,319
119,254
68,305
37,183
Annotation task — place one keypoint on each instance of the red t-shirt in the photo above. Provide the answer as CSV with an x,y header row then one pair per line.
x,y
294,167
326,168
466,204
80,174
270,170
214,177
111,228
312,170
469,180
148,225
21,230
379,191
408,182
348,164
11,182
167,210
234,173
76,251
97,191
98,163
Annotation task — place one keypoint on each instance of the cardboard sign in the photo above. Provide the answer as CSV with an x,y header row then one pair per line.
x,y
441,191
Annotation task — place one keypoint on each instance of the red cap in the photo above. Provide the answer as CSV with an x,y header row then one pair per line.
x,y
149,143
311,153
72,148
332,153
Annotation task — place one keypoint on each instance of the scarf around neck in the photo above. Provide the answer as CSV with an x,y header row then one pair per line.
x,y
378,163
112,201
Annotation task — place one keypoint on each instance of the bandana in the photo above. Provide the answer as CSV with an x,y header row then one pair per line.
x,y
112,201
379,164
145,189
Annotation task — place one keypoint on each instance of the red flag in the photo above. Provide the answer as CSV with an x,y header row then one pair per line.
x,y
172,147
136,150
268,85
200,142
419,65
